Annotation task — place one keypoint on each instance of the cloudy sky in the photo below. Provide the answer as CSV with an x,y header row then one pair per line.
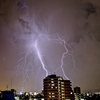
x,y
51,23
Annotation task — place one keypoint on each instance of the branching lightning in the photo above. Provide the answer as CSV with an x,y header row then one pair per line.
x,y
27,61
40,58
64,44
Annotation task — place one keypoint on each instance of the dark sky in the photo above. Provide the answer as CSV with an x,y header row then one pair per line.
x,y
22,22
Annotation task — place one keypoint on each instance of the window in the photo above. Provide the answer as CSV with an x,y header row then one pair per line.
x,y
62,85
49,96
56,87
53,96
52,81
52,84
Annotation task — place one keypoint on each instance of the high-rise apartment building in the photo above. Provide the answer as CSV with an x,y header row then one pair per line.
x,y
77,92
56,88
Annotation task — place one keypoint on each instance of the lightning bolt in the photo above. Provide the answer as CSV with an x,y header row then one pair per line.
x,y
64,44
27,60
40,58
63,56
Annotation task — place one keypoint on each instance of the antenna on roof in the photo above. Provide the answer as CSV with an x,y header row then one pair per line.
x,y
11,83
7,86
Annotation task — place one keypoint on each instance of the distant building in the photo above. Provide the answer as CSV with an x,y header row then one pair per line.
x,y
13,91
77,93
56,88
38,97
7,95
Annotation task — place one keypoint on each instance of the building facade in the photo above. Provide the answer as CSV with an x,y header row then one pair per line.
x,y
56,88
77,93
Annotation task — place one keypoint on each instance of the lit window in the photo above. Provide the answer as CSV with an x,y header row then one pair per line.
x,y
53,96
62,82
52,84
52,81
49,96
60,78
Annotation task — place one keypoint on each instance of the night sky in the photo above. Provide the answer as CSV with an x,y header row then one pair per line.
x,y
22,22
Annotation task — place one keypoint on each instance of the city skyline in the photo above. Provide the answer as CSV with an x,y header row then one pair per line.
x,y
38,38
